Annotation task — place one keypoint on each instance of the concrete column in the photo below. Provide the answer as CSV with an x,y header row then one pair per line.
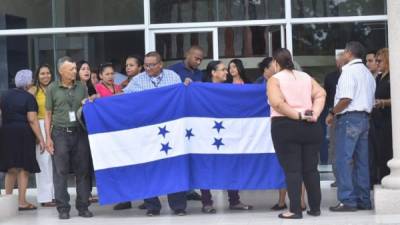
x,y
387,196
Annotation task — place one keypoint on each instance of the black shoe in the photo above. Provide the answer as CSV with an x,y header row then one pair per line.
x,y
142,206
153,212
360,207
63,215
123,205
180,212
85,214
277,207
342,208
294,216
193,196
314,213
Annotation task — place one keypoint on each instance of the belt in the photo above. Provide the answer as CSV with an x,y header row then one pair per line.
x,y
352,112
66,129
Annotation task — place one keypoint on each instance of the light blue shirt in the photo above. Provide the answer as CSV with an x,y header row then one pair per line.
x,y
358,84
119,78
143,81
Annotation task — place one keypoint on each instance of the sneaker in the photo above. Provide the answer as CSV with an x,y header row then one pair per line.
x,y
85,214
123,205
180,212
153,212
63,215
240,206
342,208
209,209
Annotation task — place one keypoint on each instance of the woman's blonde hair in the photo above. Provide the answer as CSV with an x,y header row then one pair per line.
x,y
384,53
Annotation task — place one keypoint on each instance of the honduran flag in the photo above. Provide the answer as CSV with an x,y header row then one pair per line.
x,y
178,138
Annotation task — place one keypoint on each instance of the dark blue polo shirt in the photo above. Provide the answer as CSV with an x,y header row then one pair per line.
x,y
183,72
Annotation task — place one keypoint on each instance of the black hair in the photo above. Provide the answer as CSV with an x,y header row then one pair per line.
x,y
103,66
241,71
356,49
36,77
79,65
283,57
265,63
210,67
137,58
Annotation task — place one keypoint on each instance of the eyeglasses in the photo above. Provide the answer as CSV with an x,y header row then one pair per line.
x,y
224,69
151,65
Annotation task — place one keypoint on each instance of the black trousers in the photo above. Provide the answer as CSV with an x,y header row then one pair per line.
x,y
71,148
176,201
297,144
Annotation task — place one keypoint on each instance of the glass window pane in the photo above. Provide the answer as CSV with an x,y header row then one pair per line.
x,y
98,48
98,12
19,14
174,11
172,47
314,45
23,52
321,8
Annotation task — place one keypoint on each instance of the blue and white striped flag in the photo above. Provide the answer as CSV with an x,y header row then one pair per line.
x,y
177,138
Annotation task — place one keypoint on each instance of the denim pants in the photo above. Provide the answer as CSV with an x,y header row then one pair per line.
x,y
177,201
352,166
71,148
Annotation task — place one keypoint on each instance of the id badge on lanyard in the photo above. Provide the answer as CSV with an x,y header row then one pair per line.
x,y
71,113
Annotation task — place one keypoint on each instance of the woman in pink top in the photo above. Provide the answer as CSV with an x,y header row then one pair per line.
x,y
106,86
296,102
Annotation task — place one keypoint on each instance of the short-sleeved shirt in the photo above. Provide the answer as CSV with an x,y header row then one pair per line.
x,y
61,101
358,84
15,104
184,72
143,81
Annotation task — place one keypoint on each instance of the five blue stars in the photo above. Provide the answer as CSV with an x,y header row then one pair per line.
x,y
218,142
218,126
165,148
163,131
189,133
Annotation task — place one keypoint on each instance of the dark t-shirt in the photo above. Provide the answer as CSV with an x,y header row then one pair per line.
x,y
183,72
330,83
382,116
15,104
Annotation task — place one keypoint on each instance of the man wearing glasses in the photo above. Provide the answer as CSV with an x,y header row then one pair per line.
x,y
155,76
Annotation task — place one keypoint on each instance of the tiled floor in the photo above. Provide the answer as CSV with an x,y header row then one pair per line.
x,y
261,215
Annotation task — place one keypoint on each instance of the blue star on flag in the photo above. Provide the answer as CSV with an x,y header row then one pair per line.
x,y
165,148
218,142
218,126
189,133
163,131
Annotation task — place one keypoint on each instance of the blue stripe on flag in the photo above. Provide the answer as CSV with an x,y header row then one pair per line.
x,y
168,103
234,171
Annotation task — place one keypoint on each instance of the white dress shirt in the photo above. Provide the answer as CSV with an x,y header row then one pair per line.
x,y
358,84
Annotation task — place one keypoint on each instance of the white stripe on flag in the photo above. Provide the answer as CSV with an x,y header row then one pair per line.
x,y
144,144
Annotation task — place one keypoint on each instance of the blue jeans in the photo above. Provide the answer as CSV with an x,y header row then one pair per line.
x,y
352,170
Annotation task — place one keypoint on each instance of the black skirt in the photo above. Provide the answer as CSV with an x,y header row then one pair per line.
x,y
18,148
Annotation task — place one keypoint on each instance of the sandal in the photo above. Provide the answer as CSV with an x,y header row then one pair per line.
x,y
27,207
240,206
277,207
209,209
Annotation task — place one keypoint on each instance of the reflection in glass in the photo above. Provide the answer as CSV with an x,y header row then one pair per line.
x,y
98,12
248,41
326,8
173,46
98,48
22,52
174,11
314,45
19,14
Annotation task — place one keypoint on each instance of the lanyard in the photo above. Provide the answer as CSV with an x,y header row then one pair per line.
x,y
156,80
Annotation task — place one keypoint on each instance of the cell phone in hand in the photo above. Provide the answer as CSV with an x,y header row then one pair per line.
x,y
308,113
